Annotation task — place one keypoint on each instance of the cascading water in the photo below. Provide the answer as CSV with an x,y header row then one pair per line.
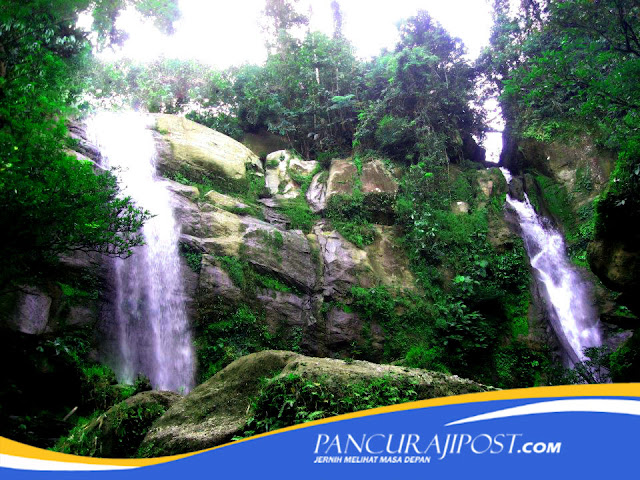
x,y
573,317
152,328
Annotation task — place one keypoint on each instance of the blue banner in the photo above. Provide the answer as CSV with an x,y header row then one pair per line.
x,y
583,432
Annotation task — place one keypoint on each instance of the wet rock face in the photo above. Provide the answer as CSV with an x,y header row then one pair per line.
x,y
617,265
219,409
83,147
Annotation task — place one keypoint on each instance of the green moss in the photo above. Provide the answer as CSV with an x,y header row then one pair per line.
x,y
303,181
227,332
248,188
350,216
235,268
579,227
625,361
192,257
517,311
298,212
558,201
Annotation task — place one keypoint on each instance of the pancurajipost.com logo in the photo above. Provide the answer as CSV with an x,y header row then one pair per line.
x,y
416,448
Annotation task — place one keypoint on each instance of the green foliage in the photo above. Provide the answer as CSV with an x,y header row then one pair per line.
x,y
292,399
121,429
417,97
298,212
624,363
50,202
193,257
248,189
595,368
235,268
98,385
303,181
518,365
244,276
221,122
573,70
579,227
428,358
351,218
475,301
225,334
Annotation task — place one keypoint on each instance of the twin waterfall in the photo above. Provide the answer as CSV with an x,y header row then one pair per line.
x,y
573,317
151,326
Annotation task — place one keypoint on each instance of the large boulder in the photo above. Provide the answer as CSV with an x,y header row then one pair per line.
x,y
375,182
196,152
219,409
342,177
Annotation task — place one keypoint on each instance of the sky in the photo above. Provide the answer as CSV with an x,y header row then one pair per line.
x,y
225,33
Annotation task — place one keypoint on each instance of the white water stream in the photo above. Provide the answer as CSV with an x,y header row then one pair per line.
x,y
153,332
572,314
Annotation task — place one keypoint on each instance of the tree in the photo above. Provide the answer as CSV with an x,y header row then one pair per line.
x,y
575,70
50,202
419,96
281,17
336,11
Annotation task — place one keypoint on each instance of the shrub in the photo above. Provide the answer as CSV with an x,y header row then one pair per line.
x,y
292,399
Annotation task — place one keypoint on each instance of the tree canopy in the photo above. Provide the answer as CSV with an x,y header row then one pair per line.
x,y
50,202
566,67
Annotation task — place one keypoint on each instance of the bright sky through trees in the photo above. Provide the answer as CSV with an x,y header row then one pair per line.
x,y
228,33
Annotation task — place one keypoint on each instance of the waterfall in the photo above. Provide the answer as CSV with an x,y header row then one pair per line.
x,y
151,328
573,316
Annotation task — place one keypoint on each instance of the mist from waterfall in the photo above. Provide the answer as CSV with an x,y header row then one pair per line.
x,y
151,326
573,316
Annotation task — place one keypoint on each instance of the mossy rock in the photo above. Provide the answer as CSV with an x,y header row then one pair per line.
x,y
118,432
198,152
221,408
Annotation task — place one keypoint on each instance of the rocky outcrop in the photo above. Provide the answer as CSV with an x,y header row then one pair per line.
x,y
196,152
317,193
318,268
280,166
374,181
72,296
83,148
618,265
219,409
342,177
